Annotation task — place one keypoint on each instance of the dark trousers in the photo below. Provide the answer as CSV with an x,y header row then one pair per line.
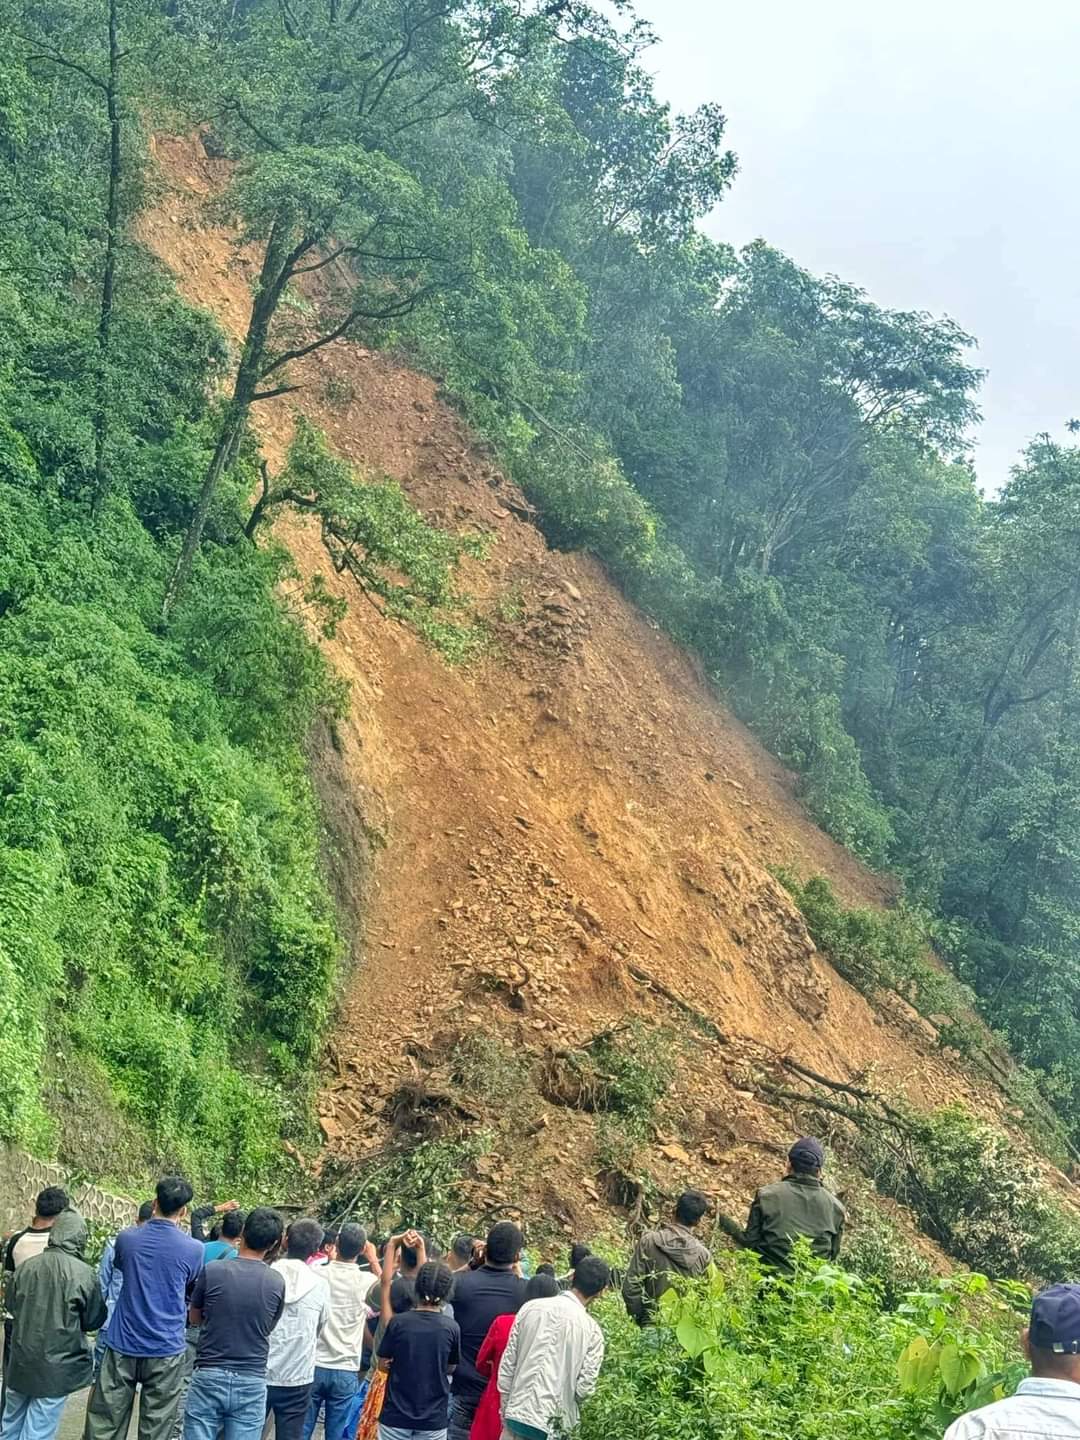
x,y
289,1406
108,1412
462,1410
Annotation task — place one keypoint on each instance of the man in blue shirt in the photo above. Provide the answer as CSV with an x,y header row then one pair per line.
x,y
145,1335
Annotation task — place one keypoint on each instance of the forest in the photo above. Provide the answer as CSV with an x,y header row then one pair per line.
x,y
772,466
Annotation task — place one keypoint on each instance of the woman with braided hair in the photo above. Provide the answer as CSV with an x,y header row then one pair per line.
x,y
420,1351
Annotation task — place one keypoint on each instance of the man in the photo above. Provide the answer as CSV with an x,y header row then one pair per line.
x,y
480,1294
235,1306
796,1205
223,1246
1047,1405
664,1253
553,1356
50,1203
55,1300
111,1280
145,1336
340,1348
460,1253
290,1370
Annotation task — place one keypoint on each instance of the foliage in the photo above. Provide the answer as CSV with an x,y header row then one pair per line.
x,y
738,1356
410,1184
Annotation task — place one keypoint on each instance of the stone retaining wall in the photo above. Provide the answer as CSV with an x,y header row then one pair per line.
x,y
21,1177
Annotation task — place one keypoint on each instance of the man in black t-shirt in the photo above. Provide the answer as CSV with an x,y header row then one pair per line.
x,y
491,1289
237,1303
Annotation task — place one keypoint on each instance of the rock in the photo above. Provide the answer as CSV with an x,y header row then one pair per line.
x,y
676,1153
571,590
331,1127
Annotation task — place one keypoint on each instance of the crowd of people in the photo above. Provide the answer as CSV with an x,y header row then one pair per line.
x,y
217,1332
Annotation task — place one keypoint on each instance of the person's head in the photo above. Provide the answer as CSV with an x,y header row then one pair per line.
x,y
433,1283
232,1225
504,1244
591,1278
542,1286
690,1207
409,1258
578,1252
51,1202
350,1242
262,1230
461,1251
304,1238
546,1268
806,1157
173,1197
1052,1339
330,1242
146,1210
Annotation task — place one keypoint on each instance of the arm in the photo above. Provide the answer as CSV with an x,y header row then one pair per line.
x,y
508,1363
197,1303
106,1268
385,1357
386,1310
93,1311
203,1213
838,1238
754,1235
487,1354
371,1255
632,1284
591,1363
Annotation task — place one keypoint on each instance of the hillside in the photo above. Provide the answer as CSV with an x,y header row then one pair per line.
x,y
569,833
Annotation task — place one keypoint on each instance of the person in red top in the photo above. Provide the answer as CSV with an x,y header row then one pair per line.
x,y
487,1422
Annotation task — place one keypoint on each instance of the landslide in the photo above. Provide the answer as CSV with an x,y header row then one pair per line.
x,y
571,833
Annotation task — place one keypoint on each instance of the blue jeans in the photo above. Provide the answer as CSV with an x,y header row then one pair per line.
x,y
31,1417
223,1400
334,1389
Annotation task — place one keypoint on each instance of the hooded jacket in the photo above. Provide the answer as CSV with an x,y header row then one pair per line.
x,y
291,1359
661,1255
55,1300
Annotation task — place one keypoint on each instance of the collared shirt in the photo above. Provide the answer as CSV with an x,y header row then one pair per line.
x,y
1040,1410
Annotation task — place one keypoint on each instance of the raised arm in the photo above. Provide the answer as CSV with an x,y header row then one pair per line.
x,y
389,1265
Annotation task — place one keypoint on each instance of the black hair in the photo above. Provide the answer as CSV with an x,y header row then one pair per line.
x,y
542,1286
592,1276
146,1209
578,1251
262,1229
433,1283
50,1202
504,1243
351,1240
545,1269
461,1247
232,1224
409,1255
690,1207
330,1237
304,1237
173,1193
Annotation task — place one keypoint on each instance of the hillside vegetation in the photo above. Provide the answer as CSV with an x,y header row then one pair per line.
x,y
773,467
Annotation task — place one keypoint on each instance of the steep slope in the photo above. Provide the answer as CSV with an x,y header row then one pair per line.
x,y
570,832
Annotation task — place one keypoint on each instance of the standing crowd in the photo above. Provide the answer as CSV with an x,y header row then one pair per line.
x,y
215,1333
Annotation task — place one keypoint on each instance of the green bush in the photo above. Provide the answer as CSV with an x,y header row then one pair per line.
x,y
739,1357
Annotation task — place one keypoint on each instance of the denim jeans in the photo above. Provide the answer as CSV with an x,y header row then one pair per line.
x,y
332,1389
31,1417
392,1432
224,1400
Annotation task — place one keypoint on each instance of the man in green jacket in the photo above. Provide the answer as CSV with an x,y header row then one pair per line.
x,y
55,1300
796,1205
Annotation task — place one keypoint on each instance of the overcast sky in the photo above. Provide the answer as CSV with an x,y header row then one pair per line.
x,y
928,151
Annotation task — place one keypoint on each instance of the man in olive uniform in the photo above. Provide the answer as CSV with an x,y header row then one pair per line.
x,y
797,1205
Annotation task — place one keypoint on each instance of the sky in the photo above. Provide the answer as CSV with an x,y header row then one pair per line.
x,y
928,151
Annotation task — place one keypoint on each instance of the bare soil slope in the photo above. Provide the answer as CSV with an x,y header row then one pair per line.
x,y
571,831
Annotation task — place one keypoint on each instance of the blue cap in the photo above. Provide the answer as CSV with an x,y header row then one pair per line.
x,y
1055,1320
807,1154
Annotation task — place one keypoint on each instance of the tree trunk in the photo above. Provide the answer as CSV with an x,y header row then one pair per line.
x,y
276,270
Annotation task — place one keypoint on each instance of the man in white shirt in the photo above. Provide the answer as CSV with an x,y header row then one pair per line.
x,y
553,1356
290,1369
1047,1406
339,1349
